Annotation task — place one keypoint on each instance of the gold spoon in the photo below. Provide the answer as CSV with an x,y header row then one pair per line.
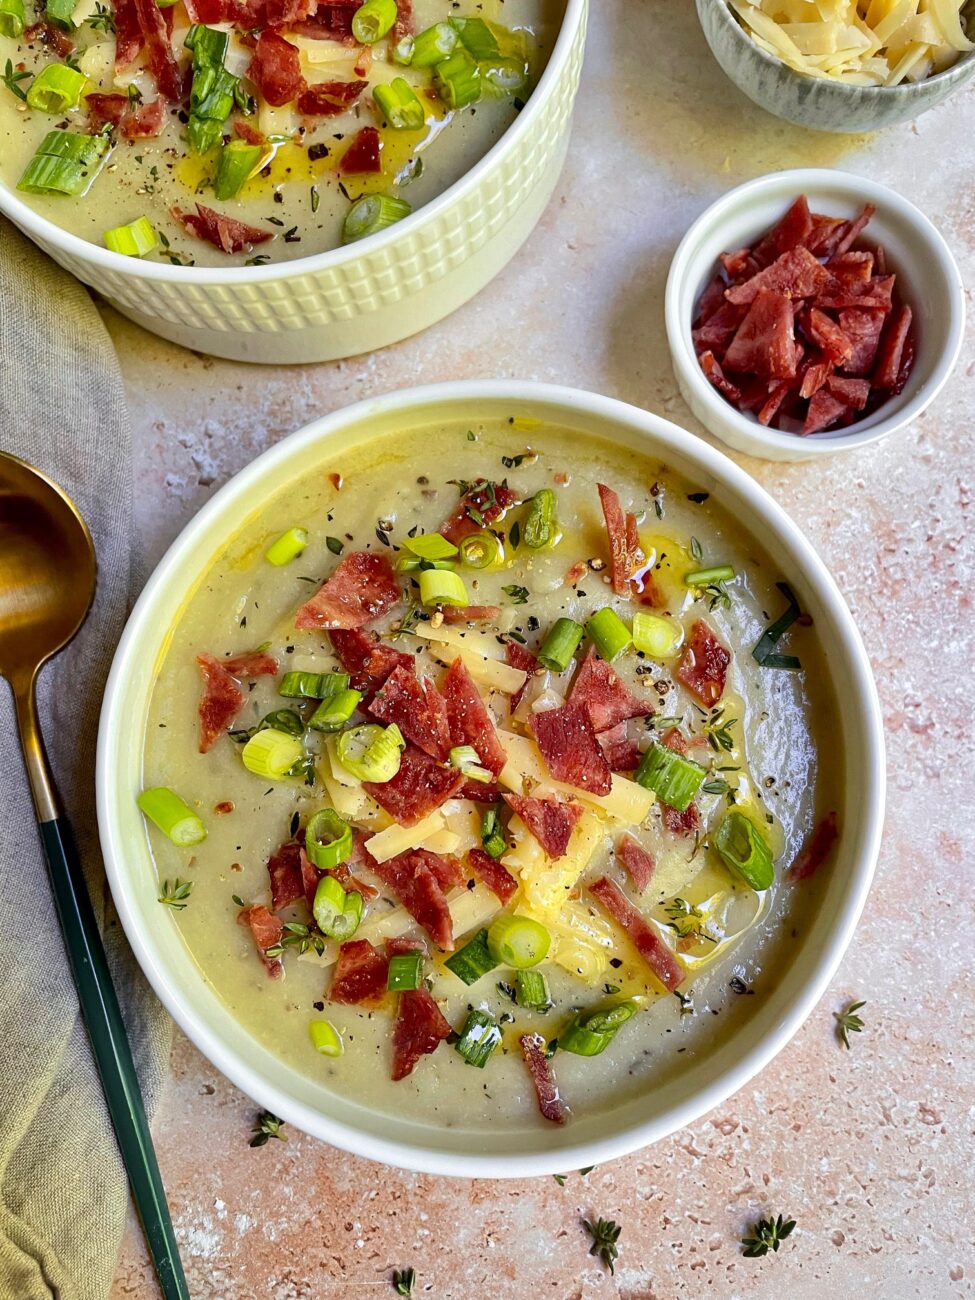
x,y
47,583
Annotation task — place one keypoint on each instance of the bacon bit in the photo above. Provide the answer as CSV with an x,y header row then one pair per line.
x,y
284,870
420,786
417,708
252,663
363,61
518,657
51,36
336,481
638,862
543,1077
267,931
220,702
412,878
225,806
498,879
362,588
571,751
360,975
622,753
575,575
469,720
403,26
420,1029
225,233
648,943
470,613
362,156
366,659
815,851
248,133
276,69
490,501
549,821
159,51
563,479
348,882
329,98
604,696
703,664
619,550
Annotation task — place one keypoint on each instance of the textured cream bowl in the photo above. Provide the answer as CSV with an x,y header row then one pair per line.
x,y
927,276
179,982
365,296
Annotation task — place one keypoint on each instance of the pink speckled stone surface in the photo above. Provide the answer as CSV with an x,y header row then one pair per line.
x,y
871,1150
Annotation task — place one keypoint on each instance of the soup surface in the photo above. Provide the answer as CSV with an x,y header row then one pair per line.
x,y
506,820
298,136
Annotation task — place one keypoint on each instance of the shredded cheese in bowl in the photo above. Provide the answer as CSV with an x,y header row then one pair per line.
x,y
860,42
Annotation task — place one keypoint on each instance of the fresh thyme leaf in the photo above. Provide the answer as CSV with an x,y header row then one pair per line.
x,y
848,1022
407,623
316,198
718,596
605,1234
519,595
175,893
471,436
718,731
507,990
696,550
11,77
588,1170
102,19
514,535
383,538
560,1179
298,936
404,1280
512,462
336,545
658,507
768,1234
717,785
295,823
266,1126
686,920
261,259
237,899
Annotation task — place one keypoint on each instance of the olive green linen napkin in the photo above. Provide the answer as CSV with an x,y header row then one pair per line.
x,y
63,1190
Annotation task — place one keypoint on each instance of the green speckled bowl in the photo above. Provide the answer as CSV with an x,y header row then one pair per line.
x,y
821,105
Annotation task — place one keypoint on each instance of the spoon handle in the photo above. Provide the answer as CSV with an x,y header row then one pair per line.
x,y
113,1056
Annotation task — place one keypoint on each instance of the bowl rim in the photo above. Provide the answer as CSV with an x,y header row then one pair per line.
x,y
810,181
41,228
905,89
850,656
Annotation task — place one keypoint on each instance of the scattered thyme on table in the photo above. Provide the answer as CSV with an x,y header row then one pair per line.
x,y
768,1234
404,1280
176,892
848,1022
605,1234
266,1126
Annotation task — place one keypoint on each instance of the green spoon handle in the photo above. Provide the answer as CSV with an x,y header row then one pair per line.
x,y
113,1056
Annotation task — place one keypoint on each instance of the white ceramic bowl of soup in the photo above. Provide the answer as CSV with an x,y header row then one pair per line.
x,y
366,295
400,1139
928,280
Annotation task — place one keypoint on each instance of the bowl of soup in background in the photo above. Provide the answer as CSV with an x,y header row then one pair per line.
x,y
728,1060
366,295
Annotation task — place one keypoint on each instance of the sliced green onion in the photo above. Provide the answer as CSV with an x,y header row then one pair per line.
x,y
312,686
479,1039
518,941
532,992
608,633
371,752
56,88
12,18
405,971
672,778
60,12
134,240
372,213
337,913
328,839
458,80
468,761
744,850
701,577
481,551
238,162
209,44
399,104
283,720
560,645
332,714
656,636
433,45
472,961
441,587
372,20
591,1032
492,835
325,1038
287,547
272,753
430,546
66,163
502,76
476,37
767,641
175,819
541,526
402,51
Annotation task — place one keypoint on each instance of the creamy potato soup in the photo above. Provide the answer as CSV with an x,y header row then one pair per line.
x,y
223,132
484,774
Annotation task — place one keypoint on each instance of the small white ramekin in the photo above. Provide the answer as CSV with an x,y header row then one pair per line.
x,y
927,276
712,1074
365,296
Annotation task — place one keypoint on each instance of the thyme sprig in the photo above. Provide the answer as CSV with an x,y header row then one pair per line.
x,y
404,1280
605,1234
175,893
768,1235
266,1126
848,1022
